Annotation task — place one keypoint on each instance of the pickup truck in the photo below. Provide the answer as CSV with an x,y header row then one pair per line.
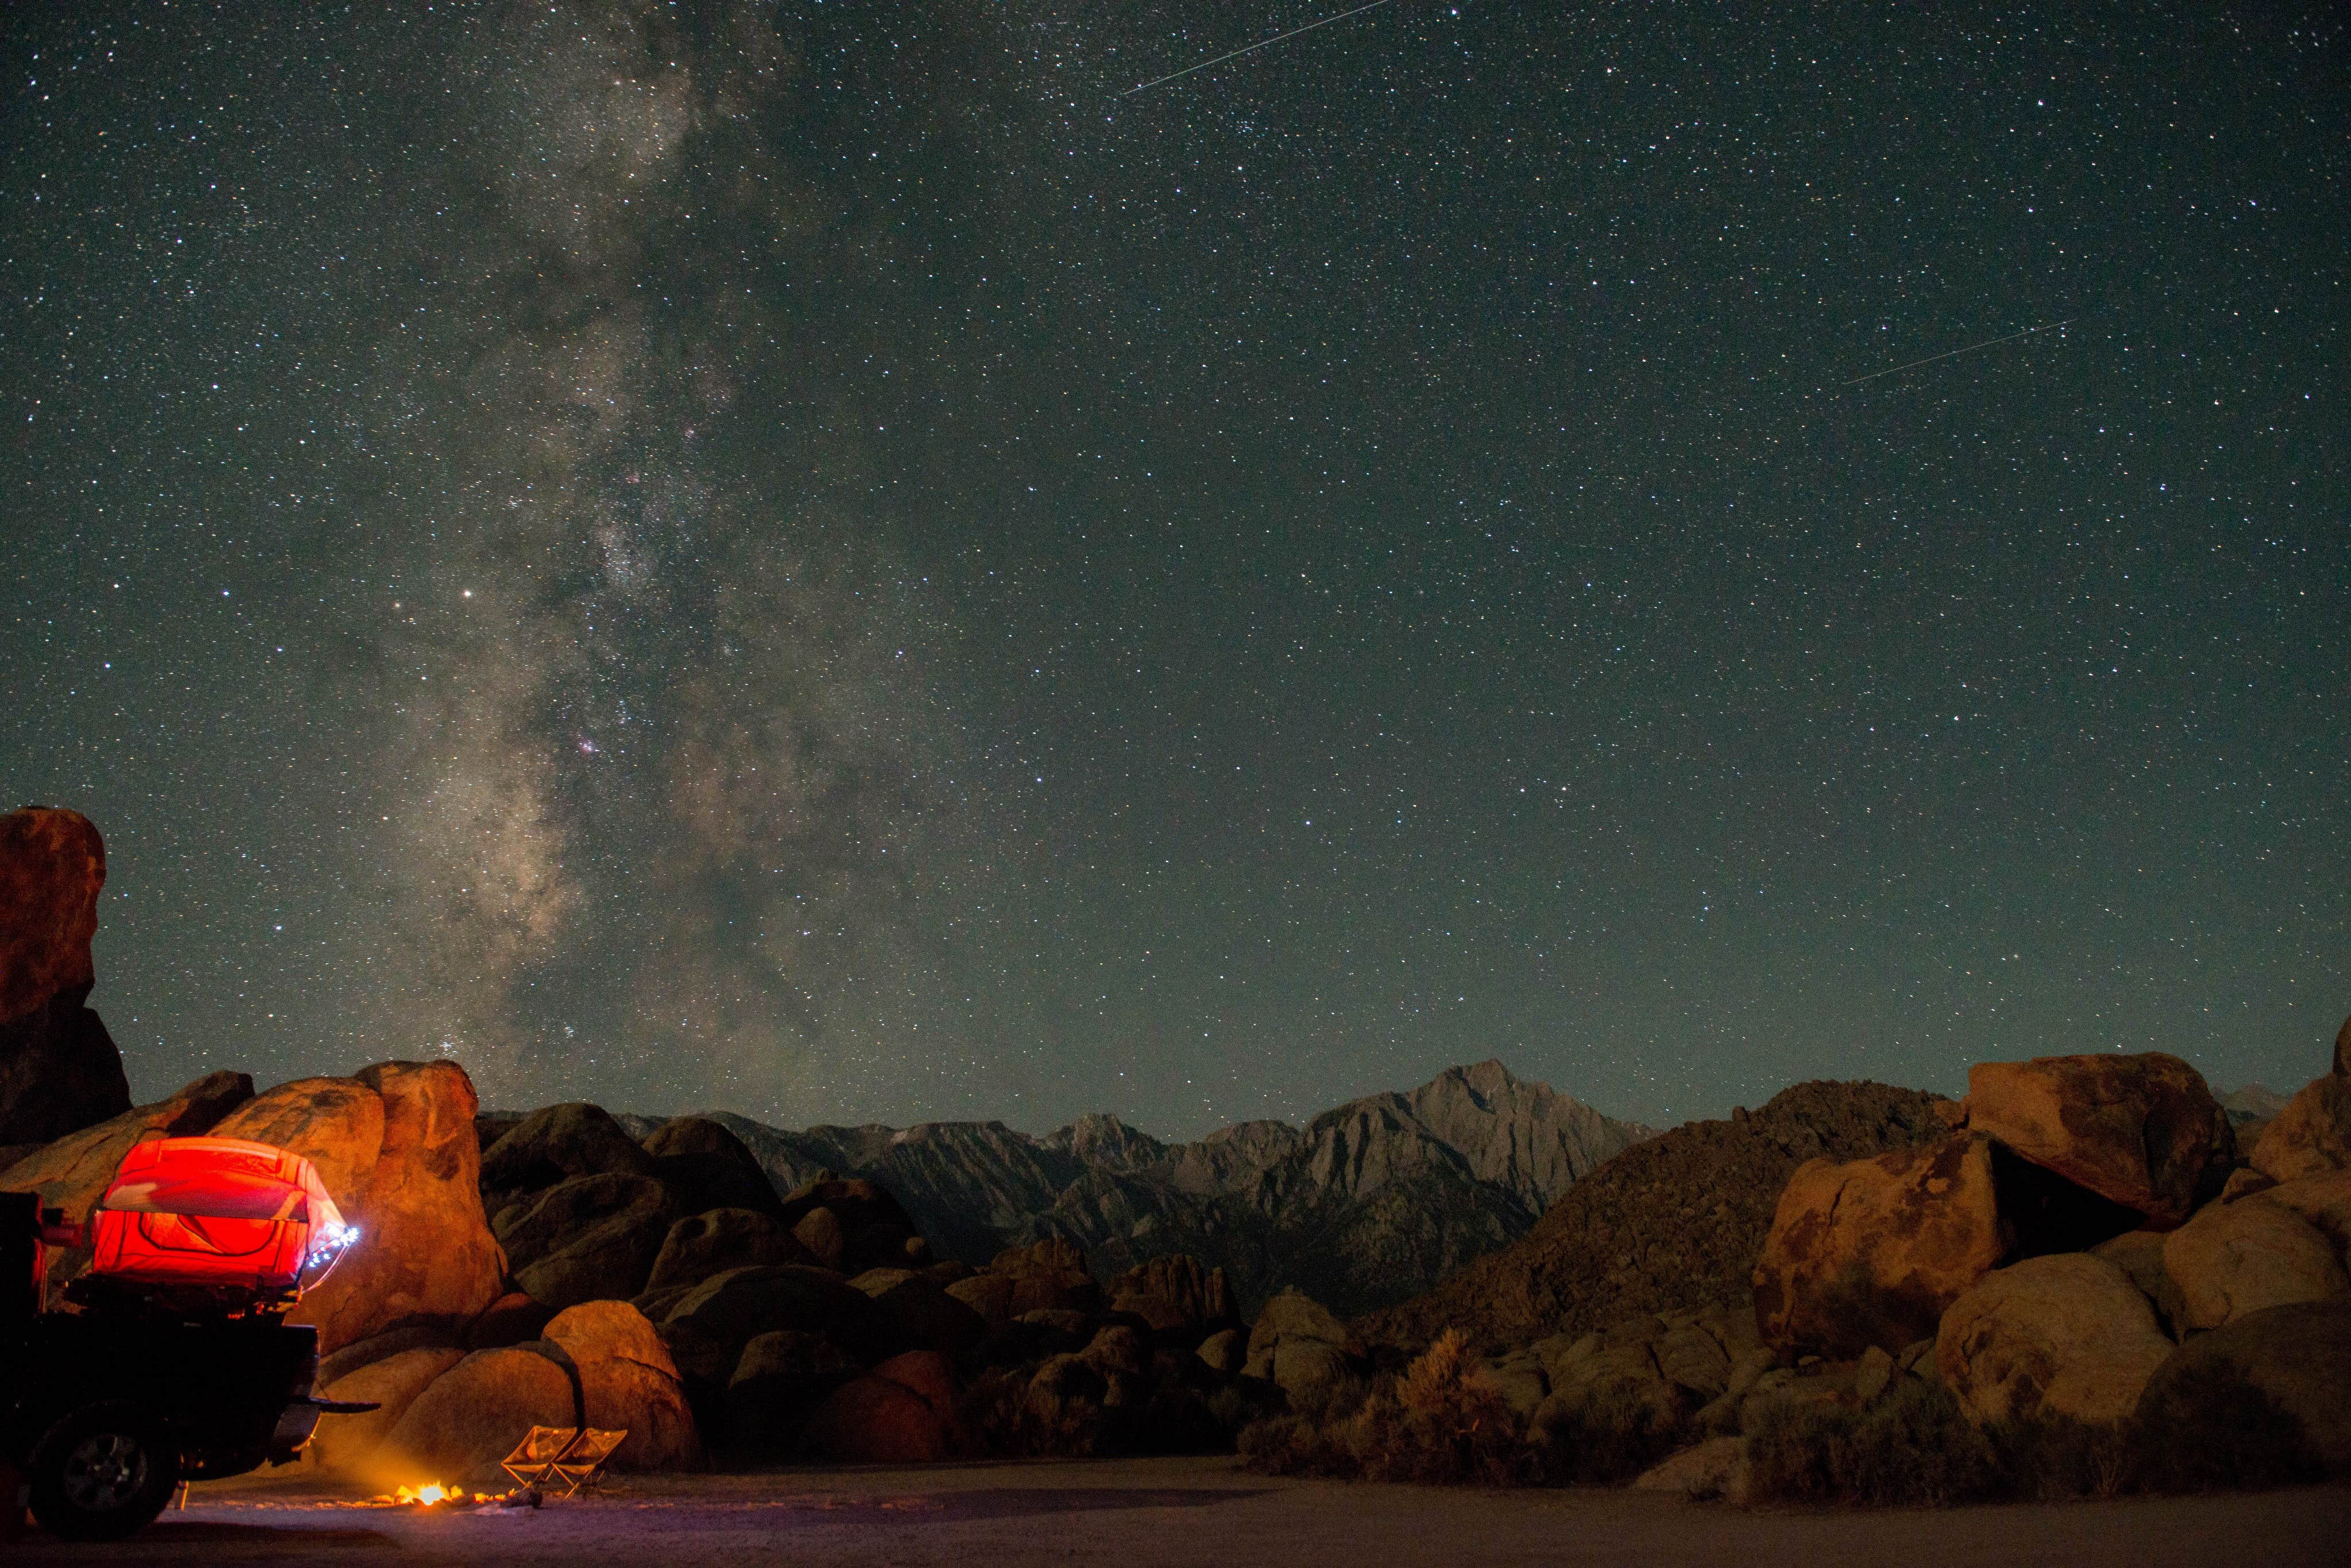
x,y
173,1360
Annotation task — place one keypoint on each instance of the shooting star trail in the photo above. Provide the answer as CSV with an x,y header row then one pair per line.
x,y
1252,49
1954,353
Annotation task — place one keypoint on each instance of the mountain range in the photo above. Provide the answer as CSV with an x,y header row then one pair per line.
x,y
1368,1204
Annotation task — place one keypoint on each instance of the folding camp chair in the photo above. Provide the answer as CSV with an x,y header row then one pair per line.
x,y
548,1456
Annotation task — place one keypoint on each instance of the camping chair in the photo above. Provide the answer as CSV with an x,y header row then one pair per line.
x,y
548,1456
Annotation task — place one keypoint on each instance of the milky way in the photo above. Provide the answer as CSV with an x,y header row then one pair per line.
x,y
827,559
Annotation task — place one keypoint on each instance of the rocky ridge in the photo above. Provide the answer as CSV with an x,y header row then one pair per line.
x,y
1668,1226
1366,1203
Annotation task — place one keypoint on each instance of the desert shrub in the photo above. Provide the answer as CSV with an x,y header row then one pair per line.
x,y
1916,1447
2213,1430
2055,1459
1611,1437
1431,1423
992,1411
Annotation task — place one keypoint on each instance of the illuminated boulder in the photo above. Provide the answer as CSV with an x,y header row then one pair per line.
x,y
71,1173
903,1412
2234,1260
395,1145
1874,1251
471,1417
345,1444
587,1237
60,1070
2066,1334
2312,1136
629,1383
2140,1131
554,1144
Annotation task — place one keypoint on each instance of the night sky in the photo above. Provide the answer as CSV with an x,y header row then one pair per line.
x,y
818,559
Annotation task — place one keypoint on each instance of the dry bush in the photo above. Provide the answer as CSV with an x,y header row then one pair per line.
x,y
1613,1437
1915,1447
1431,1424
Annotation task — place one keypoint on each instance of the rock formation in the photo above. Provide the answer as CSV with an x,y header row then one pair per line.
x,y
2313,1133
1368,1202
2066,1334
2140,1131
395,1145
73,1172
1673,1223
60,1070
1874,1251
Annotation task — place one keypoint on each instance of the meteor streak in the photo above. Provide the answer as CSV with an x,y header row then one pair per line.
x,y
1954,353
1252,49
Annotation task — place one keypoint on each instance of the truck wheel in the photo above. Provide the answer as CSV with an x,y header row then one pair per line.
x,y
102,1473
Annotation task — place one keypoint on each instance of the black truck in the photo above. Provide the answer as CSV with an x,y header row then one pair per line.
x,y
105,1409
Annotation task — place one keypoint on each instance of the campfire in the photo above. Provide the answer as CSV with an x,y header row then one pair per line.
x,y
439,1494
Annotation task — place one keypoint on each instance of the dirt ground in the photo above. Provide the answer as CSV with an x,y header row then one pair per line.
x,y
1140,1513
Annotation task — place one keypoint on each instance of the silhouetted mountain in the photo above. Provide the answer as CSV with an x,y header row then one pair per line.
x,y
1370,1203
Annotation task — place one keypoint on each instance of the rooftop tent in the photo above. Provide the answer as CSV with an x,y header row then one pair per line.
x,y
216,1214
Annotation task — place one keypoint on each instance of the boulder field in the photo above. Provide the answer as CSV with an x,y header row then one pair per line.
x,y
2081,1239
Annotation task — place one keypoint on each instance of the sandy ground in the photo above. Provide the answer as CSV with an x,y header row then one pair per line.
x,y
1193,1512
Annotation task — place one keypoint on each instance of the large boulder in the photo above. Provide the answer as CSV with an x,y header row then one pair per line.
x,y
1715,1468
2325,1200
587,1238
2298,1355
1874,1251
1050,1276
818,1232
556,1142
921,1313
903,1412
2066,1334
629,1383
707,1329
708,1167
1176,1296
336,1124
1298,1345
513,1319
60,1070
1612,1379
701,1245
424,1253
988,1294
2141,1131
473,1415
872,1229
2312,1134
2235,1259
73,1173
777,1381
2139,1255
344,1445
339,1364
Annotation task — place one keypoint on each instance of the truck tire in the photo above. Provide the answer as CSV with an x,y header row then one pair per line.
x,y
103,1472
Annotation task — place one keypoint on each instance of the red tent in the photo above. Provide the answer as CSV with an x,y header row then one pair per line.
x,y
217,1213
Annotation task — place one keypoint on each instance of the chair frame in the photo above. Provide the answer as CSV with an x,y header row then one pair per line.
x,y
577,1462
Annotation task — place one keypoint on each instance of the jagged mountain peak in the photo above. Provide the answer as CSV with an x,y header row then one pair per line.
x,y
1367,1204
1103,1139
